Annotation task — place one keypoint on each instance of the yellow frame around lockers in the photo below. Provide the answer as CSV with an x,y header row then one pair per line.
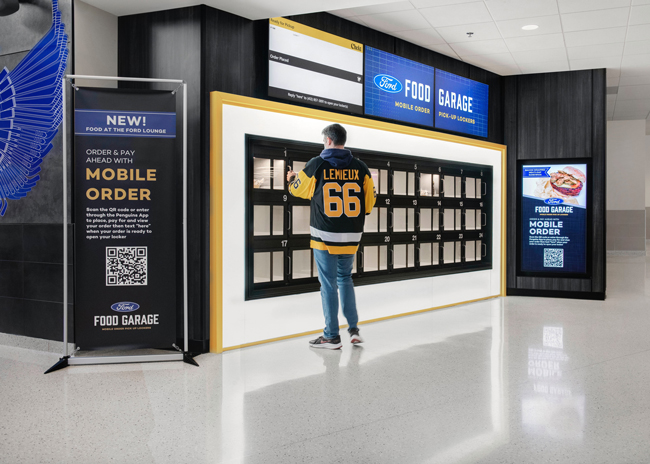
x,y
217,101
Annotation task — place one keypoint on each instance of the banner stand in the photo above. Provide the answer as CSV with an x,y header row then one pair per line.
x,y
182,354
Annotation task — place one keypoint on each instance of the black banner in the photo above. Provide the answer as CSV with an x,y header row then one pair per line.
x,y
125,219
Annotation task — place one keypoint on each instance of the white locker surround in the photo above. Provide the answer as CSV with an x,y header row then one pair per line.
x,y
247,322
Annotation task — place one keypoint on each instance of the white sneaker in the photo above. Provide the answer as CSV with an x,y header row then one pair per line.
x,y
355,338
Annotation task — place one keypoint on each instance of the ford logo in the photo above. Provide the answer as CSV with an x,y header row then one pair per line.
x,y
125,307
554,201
388,83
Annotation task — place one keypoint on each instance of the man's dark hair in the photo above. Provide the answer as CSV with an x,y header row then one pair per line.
x,y
337,133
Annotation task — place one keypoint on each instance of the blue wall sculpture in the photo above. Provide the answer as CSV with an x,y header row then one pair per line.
x,y
31,110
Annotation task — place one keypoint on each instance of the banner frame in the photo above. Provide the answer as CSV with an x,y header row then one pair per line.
x,y
70,359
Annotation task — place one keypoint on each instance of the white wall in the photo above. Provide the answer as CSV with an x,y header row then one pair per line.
x,y
626,161
95,44
647,169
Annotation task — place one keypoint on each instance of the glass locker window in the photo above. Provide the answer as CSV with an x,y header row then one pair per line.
x,y
410,249
425,219
479,220
479,250
399,219
436,219
470,187
300,220
459,187
449,249
470,219
479,188
261,267
372,221
399,183
426,185
278,174
298,166
458,255
261,220
301,264
436,185
383,219
458,219
470,251
410,220
278,266
374,173
399,256
354,264
261,173
435,254
425,254
448,186
383,182
448,217
278,220
370,258
383,258
411,184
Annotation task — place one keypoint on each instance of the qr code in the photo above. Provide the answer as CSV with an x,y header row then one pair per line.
x,y
553,257
126,266
553,337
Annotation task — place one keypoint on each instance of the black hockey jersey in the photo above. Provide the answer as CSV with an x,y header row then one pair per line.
x,y
342,193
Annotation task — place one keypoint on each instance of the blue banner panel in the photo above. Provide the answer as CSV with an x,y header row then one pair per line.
x,y
108,123
461,104
554,219
397,88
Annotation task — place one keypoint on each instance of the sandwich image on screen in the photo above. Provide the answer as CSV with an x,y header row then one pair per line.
x,y
312,67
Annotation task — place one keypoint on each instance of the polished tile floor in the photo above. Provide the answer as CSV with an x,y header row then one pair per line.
x,y
510,380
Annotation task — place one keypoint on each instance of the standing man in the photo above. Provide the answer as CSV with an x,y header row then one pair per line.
x,y
342,193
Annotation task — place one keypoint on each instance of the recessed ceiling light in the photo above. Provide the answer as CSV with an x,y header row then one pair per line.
x,y
530,27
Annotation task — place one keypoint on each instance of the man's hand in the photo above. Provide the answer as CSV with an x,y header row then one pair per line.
x,y
291,176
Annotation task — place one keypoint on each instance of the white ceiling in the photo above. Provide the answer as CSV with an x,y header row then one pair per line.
x,y
572,34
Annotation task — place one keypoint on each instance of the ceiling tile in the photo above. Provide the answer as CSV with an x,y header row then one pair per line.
x,y
632,92
544,67
537,42
595,36
551,54
396,21
444,49
637,48
595,51
640,2
634,80
574,6
422,37
636,33
498,60
596,63
599,19
343,13
453,15
430,3
483,47
356,19
376,9
630,106
640,15
613,81
613,72
482,31
635,61
547,25
629,116
513,9
611,99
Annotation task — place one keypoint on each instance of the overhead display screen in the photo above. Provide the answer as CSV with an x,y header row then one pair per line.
x,y
554,218
312,67
397,88
461,104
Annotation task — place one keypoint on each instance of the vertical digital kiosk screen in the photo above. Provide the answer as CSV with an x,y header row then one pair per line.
x,y
554,218
461,104
397,88
312,67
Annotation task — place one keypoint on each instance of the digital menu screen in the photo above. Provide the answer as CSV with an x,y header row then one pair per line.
x,y
397,88
312,67
461,104
554,218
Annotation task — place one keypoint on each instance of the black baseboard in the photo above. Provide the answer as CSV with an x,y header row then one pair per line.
x,y
555,294
199,346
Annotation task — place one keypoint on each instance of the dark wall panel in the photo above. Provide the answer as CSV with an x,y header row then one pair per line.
x,y
551,117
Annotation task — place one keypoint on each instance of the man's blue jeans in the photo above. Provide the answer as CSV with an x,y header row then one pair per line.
x,y
335,272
